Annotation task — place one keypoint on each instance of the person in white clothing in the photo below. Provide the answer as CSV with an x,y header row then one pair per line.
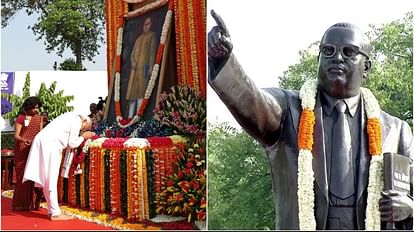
x,y
66,131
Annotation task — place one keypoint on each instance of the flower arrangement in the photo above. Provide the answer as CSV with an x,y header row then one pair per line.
x,y
183,110
150,128
143,129
185,194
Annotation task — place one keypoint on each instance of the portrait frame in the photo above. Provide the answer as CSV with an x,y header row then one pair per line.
x,y
132,29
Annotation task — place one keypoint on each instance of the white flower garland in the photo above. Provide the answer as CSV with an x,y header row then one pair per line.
x,y
306,195
137,142
118,53
95,143
145,8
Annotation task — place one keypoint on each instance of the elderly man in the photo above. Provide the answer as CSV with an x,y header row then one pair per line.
x,y
324,142
142,61
45,155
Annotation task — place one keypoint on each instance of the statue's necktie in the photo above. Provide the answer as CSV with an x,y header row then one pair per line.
x,y
342,173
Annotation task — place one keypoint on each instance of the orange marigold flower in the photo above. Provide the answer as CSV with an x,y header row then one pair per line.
x,y
374,136
305,137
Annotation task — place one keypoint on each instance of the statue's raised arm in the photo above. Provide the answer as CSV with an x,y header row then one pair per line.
x,y
258,111
219,43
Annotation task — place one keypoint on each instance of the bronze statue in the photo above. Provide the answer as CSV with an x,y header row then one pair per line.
x,y
324,142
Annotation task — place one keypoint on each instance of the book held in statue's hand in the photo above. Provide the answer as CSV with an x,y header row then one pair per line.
x,y
397,172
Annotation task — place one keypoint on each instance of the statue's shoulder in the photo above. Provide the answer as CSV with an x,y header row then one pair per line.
x,y
285,97
391,120
286,93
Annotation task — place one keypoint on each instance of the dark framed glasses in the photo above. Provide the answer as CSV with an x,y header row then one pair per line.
x,y
347,51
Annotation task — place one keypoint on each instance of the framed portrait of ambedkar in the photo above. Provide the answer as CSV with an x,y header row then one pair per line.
x,y
141,41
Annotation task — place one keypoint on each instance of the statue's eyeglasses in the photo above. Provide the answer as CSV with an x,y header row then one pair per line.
x,y
347,51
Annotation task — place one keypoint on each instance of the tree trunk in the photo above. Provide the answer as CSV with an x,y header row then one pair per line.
x,y
78,53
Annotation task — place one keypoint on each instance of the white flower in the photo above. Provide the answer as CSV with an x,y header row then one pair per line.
x,y
137,142
117,88
371,104
308,94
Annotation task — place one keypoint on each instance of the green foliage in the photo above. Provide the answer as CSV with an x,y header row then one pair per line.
x,y
53,103
9,8
297,74
390,79
239,182
70,64
74,24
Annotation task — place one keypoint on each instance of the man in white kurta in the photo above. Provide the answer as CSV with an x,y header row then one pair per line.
x,y
45,155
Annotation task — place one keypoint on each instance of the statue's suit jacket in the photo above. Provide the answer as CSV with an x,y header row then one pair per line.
x,y
272,116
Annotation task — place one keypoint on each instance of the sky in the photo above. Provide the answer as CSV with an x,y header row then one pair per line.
x,y
267,35
20,51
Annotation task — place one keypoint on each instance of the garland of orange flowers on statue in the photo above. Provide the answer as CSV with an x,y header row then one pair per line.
x,y
305,172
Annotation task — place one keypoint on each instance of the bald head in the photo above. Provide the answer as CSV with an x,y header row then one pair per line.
x,y
86,122
358,36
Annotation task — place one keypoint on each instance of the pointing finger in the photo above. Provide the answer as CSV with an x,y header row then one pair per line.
x,y
220,23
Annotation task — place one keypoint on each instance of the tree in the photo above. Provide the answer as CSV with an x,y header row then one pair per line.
x,y
53,103
70,64
297,74
75,24
239,183
390,79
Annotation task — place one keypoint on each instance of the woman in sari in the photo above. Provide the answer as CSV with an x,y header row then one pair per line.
x,y
28,124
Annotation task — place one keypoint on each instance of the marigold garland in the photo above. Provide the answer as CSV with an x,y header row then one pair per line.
x,y
82,186
307,121
190,43
114,182
193,47
306,196
101,180
374,136
78,200
86,179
